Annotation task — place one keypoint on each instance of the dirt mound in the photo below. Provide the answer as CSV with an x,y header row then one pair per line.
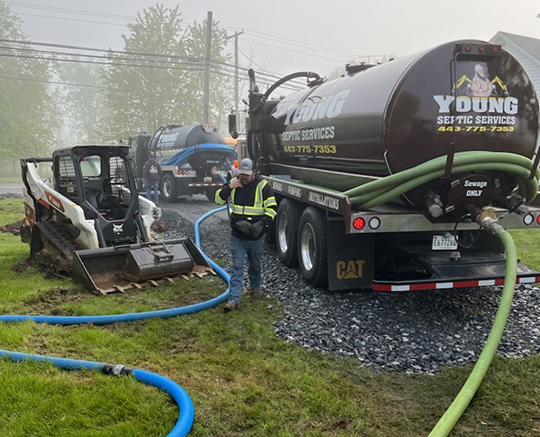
x,y
159,227
14,228
21,267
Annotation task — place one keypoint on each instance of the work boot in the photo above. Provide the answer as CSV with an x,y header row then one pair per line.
x,y
257,293
229,306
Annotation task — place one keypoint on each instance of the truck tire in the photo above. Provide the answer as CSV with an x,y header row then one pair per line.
x,y
312,247
287,222
270,236
211,193
168,188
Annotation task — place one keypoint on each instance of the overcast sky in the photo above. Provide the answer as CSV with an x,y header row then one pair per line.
x,y
315,35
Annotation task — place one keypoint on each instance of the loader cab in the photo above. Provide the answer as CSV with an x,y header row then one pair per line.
x,y
100,180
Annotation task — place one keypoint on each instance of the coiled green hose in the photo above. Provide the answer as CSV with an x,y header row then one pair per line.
x,y
383,190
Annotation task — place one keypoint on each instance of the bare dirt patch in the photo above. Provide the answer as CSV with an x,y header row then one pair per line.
x,y
13,228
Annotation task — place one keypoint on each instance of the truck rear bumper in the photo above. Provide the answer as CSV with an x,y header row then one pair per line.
x,y
523,278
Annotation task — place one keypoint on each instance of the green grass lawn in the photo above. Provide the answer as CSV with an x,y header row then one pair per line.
x,y
13,179
243,380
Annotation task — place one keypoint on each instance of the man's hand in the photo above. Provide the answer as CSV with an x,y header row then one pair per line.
x,y
257,229
244,226
235,183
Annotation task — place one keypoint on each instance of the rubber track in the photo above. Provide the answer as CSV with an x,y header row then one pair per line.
x,y
60,239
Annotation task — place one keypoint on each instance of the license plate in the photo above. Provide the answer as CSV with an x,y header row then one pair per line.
x,y
443,242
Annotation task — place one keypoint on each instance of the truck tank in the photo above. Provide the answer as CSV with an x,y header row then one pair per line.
x,y
183,137
372,122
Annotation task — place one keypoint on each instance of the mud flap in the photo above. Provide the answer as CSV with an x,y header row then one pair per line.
x,y
351,258
120,268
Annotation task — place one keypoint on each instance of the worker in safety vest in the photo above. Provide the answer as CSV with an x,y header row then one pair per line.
x,y
253,209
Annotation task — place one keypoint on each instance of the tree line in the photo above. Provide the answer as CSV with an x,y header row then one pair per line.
x,y
52,98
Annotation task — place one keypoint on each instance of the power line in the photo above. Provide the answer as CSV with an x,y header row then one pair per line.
x,y
78,61
73,11
225,73
26,79
253,62
261,73
293,51
301,44
125,17
276,75
71,19
191,59
82,55
82,85
93,49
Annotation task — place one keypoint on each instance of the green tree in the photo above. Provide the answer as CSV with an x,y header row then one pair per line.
x,y
157,80
82,106
28,122
221,82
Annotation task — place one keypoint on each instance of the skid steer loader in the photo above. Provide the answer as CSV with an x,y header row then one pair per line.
x,y
87,221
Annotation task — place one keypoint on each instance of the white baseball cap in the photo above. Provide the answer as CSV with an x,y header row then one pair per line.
x,y
246,166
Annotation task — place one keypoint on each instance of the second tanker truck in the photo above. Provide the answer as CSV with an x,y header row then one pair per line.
x,y
193,159
382,174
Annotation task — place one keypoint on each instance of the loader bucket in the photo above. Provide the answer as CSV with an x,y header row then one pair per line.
x,y
120,268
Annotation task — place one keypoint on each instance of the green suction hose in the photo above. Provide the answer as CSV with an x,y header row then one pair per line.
x,y
383,190
464,397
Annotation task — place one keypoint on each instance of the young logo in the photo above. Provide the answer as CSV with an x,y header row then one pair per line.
x,y
477,101
315,109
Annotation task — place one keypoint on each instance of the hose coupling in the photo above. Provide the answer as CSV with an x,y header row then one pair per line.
x,y
487,219
490,224
116,370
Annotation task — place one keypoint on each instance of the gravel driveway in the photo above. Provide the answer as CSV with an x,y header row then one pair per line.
x,y
420,332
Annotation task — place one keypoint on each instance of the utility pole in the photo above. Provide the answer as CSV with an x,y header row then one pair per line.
x,y
236,103
206,103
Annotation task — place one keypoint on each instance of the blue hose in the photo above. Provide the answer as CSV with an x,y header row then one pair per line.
x,y
222,178
182,399
182,156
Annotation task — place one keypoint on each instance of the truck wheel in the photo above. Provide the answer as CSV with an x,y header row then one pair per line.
x,y
211,193
287,220
168,188
312,247
270,236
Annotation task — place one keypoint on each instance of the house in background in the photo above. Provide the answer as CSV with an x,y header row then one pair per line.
x,y
526,50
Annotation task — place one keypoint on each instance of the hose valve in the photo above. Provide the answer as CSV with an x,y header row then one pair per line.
x,y
486,218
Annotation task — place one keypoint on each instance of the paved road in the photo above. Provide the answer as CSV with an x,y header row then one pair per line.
x,y
11,188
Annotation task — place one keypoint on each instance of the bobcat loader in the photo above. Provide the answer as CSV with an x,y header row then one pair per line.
x,y
87,221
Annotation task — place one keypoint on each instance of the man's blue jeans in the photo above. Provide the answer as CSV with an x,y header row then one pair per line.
x,y
152,185
239,250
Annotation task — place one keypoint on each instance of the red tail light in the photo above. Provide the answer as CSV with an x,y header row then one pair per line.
x,y
359,223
